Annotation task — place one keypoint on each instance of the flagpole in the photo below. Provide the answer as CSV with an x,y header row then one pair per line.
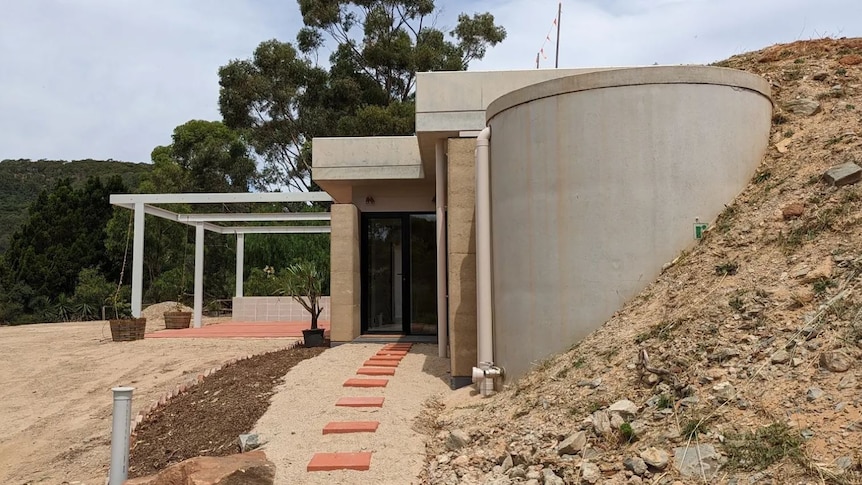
x,y
559,14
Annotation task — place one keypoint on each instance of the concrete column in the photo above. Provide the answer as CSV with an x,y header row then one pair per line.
x,y
138,260
240,259
440,197
199,275
345,319
461,238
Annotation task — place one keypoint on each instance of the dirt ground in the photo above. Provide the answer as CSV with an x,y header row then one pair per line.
x,y
238,395
55,392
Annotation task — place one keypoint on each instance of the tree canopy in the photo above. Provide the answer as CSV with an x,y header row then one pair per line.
x,y
281,98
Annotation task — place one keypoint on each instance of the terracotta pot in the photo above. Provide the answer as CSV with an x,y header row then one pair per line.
x,y
177,320
128,329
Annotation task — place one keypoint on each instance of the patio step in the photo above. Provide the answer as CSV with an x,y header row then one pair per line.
x,y
376,371
366,382
337,427
395,358
323,462
372,362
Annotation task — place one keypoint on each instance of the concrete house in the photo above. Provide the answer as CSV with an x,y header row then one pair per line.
x,y
531,205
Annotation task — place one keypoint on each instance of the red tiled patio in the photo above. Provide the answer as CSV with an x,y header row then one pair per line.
x,y
241,330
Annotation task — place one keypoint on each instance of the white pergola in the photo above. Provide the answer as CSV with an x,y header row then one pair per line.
x,y
221,223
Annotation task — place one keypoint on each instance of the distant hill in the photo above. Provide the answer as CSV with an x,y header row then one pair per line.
x,y
21,181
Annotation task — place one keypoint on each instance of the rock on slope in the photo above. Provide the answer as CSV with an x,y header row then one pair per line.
x,y
741,363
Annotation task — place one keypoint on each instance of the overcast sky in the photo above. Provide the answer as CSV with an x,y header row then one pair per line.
x,y
112,78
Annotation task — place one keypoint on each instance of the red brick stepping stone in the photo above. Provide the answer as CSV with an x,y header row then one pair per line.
x,y
324,462
351,427
376,371
360,402
396,358
380,363
366,382
393,352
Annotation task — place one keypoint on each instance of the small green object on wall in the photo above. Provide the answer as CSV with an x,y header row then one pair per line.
x,y
699,229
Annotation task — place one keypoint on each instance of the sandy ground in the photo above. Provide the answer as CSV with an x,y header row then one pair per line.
x,y
55,397
306,402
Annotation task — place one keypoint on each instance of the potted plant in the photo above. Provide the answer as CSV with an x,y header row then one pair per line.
x,y
124,327
304,283
179,318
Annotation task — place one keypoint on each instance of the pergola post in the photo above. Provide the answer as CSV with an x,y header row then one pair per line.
x,y
138,260
199,275
240,258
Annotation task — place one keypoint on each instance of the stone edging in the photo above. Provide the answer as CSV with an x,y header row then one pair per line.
x,y
184,387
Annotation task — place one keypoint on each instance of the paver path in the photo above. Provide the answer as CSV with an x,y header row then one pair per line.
x,y
305,405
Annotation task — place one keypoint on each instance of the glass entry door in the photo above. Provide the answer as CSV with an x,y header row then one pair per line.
x,y
399,274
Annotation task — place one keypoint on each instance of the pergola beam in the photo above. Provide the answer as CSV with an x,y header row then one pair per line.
x,y
256,217
221,198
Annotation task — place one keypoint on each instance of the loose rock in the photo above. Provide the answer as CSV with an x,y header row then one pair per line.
x,y
655,458
780,357
590,472
792,211
457,439
814,393
601,423
625,408
724,391
636,465
804,106
835,361
552,478
697,461
248,442
573,444
845,174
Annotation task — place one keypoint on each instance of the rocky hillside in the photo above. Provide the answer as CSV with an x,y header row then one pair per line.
x,y
741,363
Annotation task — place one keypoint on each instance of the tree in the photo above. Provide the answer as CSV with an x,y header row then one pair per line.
x,y
205,156
64,234
280,99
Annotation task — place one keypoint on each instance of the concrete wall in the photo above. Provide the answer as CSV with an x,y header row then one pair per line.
x,y
344,273
395,196
274,308
596,181
461,240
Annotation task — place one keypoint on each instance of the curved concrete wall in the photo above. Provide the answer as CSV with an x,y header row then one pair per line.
x,y
596,181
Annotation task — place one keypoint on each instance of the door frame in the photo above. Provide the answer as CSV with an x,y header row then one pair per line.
x,y
406,301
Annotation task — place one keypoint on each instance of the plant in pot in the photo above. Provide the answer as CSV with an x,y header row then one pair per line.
x,y
178,317
304,283
124,327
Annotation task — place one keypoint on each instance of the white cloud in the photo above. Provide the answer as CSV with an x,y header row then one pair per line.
x,y
112,78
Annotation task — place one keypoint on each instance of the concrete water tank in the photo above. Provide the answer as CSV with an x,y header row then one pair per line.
x,y
596,182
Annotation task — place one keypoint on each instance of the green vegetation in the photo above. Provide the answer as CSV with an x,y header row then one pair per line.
x,y
759,449
21,181
728,268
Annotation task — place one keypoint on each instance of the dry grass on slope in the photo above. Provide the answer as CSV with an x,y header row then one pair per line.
x,y
755,306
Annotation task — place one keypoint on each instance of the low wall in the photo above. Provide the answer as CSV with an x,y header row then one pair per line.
x,y
274,308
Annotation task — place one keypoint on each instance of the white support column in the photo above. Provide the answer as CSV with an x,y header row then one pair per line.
x,y
138,260
442,274
199,275
240,258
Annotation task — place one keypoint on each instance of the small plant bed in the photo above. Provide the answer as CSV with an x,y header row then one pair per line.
x,y
208,419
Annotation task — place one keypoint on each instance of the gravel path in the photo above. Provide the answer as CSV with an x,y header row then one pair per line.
x,y
305,403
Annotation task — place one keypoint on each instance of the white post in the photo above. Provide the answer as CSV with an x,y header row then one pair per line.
x,y
138,260
120,432
442,275
199,275
240,256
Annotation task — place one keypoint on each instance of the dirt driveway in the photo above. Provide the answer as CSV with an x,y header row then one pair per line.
x,y
55,393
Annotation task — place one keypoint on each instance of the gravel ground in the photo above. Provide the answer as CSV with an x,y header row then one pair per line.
x,y
306,402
